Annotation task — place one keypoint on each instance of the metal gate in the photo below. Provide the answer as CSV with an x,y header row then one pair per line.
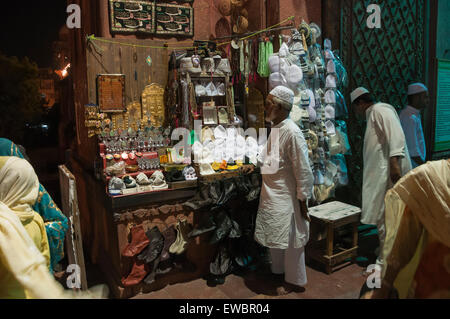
x,y
384,60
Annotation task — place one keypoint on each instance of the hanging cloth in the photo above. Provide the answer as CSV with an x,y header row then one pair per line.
x,y
241,56
255,57
235,62
267,51
261,54
185,105
247,59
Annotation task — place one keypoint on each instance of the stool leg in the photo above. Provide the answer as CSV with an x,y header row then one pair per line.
x,y
355,241
330,239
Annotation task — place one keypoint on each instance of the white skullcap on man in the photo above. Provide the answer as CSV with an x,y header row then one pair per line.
x,y
416,88
357,93
283,93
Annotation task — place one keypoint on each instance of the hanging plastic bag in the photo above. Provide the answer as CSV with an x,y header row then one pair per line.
x,y
339,161
341,127
341,106
340,71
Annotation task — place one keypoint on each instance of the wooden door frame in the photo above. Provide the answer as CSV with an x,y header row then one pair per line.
x,y
331,21
432,80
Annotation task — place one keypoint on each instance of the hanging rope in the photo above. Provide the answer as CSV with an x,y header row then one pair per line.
x,y
169,45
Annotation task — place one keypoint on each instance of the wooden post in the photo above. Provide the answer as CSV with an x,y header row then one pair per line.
x,y
330,239
331,17
355,241
273,17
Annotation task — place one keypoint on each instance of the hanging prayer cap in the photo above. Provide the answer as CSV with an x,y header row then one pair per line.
x,y
276,79
294,76
416,88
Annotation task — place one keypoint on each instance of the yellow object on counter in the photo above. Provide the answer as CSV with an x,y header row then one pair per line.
x,y
215,166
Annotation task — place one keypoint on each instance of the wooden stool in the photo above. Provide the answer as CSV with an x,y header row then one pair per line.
x,y
332,216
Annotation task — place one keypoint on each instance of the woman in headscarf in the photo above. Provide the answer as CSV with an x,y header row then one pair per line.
x,y
56,224
19,188
417,247
24,250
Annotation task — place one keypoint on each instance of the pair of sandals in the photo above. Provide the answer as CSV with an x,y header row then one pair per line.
x,y
156,181
116,184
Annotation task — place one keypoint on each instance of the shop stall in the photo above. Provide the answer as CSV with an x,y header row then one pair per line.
x,y
175,125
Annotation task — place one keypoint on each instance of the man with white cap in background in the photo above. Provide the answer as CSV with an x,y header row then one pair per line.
x,y
282,222
411,122
385,155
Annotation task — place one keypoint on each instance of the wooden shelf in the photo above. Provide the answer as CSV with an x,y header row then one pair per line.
x,y
210,97
121,202
148,173
208,76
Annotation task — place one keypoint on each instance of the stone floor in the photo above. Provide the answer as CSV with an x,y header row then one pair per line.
x,y
343,283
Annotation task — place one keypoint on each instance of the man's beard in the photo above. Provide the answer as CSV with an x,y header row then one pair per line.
x,y
268,118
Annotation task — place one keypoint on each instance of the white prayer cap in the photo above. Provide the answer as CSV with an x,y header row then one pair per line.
x,y
330,82
312,98
312,114
221,89
329,55
284,50
331,67
283,93
211,89
206,169
284,66
276,79
330,113
277,64
330,97
294,76
357,93
220,132
416,88
200,90
296,114
274,63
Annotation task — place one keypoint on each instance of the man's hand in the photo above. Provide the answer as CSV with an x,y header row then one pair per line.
x,y
394,169
304,210
247,169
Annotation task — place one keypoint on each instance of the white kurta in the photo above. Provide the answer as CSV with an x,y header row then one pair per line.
x,y
279,207
412,127
384,138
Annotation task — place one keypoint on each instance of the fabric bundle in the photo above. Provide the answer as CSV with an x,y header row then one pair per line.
x,y
265,51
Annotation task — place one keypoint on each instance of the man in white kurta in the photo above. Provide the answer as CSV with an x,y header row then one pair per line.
x,y
385,155
412,123
282,220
